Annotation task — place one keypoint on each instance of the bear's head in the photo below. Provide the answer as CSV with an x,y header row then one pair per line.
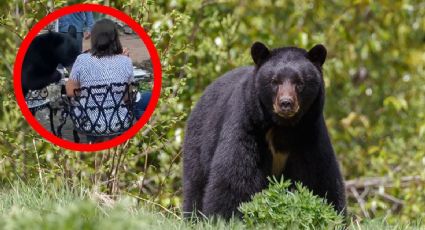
x,y
45,52
289,81
67,48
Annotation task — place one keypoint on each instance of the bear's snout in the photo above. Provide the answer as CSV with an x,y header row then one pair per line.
x,y
286,107
285,103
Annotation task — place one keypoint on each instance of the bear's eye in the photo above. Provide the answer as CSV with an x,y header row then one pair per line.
x,y
274,81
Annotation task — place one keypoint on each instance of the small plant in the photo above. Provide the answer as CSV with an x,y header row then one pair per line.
x,y
289,209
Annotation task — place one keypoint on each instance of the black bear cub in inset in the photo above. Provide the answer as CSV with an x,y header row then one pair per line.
x,y
44,54
256,122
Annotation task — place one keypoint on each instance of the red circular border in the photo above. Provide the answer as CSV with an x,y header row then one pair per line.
x,y
105,10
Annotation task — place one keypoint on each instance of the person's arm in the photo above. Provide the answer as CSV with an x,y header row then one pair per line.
x,y
130,70
74,78
89,20
70,86
126,51
89,23
129,67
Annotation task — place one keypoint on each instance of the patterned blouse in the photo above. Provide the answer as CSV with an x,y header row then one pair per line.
x,y
89,71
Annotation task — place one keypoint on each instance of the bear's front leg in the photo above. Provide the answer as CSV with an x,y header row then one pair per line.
x,y
234,176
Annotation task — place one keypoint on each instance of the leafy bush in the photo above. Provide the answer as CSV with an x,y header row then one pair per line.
x,y
289,209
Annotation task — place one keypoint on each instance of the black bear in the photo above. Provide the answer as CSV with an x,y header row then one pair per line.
x,y
260,121
44,54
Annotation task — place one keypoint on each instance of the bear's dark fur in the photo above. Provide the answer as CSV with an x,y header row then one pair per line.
x,y
44,54
260,121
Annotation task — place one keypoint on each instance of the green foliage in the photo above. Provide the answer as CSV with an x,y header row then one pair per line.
x,y
30,206
286,209
146,166
33,207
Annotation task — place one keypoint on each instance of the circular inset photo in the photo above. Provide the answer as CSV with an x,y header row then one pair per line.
x,y
87,77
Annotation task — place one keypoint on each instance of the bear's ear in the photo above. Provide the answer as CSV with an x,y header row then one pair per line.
x,y
72,31
259,53
317,54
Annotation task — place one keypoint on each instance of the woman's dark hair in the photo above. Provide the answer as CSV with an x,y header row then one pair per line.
x,y
105,39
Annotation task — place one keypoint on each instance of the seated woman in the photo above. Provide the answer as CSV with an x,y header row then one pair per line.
x,y
105,64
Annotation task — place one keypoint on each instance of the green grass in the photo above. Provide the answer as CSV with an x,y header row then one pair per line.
x,y
33,207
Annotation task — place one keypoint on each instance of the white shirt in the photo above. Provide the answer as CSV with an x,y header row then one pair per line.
x,y
89,71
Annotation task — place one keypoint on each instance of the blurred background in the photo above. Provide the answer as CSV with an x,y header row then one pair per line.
x,y
375,96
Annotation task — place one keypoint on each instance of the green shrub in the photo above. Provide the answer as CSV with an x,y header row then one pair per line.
x,y
287,209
